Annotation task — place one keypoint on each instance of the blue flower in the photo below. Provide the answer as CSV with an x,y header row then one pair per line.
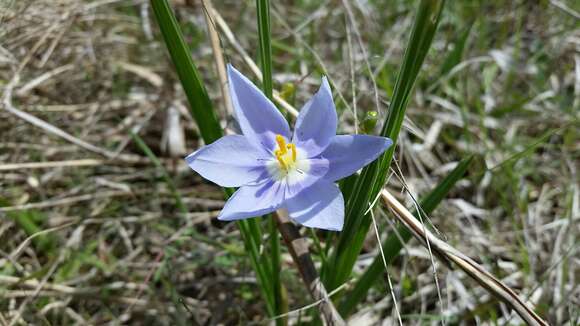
x,y
277,169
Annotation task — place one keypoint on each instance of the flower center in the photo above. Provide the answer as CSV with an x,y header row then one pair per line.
x,y
285,154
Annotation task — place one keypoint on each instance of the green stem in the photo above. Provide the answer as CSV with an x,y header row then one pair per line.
x,y
263,9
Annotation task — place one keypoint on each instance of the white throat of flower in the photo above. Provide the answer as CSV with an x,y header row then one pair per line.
x,y
289,162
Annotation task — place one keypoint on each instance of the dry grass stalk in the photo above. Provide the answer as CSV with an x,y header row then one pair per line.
x,y
253,67
218,55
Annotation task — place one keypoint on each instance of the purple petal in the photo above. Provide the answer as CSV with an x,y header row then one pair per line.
x,y
259,119
298,180
346,154
253,200
320,206
230,161
316,124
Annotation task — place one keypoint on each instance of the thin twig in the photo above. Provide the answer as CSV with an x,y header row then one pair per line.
x,y
51,164
352,79
218,55
364,52
42,79
253,67
65,289
311,305
419,211
7,101
14,255
386,268
65,201
565,8
316,56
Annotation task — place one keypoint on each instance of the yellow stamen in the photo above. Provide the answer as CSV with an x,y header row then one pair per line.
x,y
280,158
285,153
293,148
281,144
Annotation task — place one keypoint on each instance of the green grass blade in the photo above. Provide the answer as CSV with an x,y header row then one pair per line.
x,y
393,245
31,222
373,176
263,12
533,145
204,115
434,198
263,8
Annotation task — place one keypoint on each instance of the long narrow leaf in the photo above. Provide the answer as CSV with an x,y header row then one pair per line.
x,y
263,10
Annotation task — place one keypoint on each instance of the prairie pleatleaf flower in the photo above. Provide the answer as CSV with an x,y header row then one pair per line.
x,y
275,168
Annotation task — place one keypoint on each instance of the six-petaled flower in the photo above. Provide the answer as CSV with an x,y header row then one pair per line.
x,y
275,168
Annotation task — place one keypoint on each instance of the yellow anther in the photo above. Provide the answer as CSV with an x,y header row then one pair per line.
x,y
280,158
281,144
293,148
285,154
